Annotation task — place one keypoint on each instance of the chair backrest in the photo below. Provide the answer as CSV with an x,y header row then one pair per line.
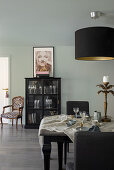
x,y
94,151
83,106
17,102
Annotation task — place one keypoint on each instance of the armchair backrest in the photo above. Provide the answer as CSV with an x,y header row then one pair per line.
x,y
83,106
17,102
94,151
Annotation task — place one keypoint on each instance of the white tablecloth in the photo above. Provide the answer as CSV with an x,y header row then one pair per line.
x,y
58,124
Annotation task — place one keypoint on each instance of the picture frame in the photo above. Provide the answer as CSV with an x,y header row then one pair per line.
x,y
43,61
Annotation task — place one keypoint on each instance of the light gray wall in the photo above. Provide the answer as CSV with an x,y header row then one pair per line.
x,y
49,22
79,78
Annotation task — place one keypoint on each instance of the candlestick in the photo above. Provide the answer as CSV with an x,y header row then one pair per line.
x,y
105,86
105,79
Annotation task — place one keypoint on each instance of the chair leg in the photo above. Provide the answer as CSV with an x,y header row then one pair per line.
x,y
12,122
21,122
16,123
67,147
1,122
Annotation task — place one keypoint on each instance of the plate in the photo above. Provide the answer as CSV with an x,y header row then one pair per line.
x,y
71,122
82,129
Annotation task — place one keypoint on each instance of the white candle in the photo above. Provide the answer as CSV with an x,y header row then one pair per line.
x,y
105,79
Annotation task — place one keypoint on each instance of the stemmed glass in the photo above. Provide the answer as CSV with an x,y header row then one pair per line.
x,y
34,89
76,110
29,87
40,90
50,102
83,114
54,89
50,89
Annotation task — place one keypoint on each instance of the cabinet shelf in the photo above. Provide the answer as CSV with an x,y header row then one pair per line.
x,y
33,115
34,108
50,109
48,94
43,94
34,94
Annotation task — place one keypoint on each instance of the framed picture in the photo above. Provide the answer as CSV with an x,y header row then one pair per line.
x,y
43,61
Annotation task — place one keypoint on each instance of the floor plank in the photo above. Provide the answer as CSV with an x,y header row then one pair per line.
x,y
20,150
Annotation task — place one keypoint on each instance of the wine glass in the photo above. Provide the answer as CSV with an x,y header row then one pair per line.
x,y
76,110
50,102
50,89
38,104
54,89
32,89
45,90
47,105
83,114
35,104
29,87
40,89
35,89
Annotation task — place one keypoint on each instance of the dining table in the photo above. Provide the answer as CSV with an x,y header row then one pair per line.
x,y
61,129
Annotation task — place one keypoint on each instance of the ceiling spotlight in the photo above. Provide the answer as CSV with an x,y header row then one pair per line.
x,y
95,14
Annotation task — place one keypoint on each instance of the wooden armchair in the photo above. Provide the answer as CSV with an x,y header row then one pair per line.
x,y
16,110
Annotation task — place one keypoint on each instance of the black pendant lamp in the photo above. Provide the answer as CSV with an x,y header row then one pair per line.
x,y
94,43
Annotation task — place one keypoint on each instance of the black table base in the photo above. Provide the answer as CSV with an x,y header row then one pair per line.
x,y
47,150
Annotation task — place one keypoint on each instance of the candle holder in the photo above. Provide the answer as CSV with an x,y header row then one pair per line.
x,y
105,86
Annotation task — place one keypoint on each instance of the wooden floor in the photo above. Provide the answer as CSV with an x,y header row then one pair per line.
x,y
20,150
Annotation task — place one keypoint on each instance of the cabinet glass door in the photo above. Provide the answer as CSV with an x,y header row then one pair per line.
x,y
34,101
43,98
51,87
50,97
34,117
34,87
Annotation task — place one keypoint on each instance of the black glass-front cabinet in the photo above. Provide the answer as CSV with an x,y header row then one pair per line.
x,y
43,98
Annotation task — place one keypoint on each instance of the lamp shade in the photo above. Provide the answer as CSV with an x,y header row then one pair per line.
x,y
94,43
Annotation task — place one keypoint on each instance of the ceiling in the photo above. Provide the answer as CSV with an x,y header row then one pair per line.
x,y
49,22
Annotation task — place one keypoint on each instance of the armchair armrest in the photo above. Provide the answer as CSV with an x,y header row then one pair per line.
x,y
6,107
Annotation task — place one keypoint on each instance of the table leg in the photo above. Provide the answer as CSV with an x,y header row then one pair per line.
x,y
65,152
60,155
46,151
67,147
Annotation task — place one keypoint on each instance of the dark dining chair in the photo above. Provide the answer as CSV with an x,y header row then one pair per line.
x,y
93,151
83,106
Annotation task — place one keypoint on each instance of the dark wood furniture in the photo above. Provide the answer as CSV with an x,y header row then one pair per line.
x,y
60,139
83,106
43,98
16,110
93,151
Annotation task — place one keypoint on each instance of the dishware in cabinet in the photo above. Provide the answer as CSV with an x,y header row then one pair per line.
x,y
43,98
